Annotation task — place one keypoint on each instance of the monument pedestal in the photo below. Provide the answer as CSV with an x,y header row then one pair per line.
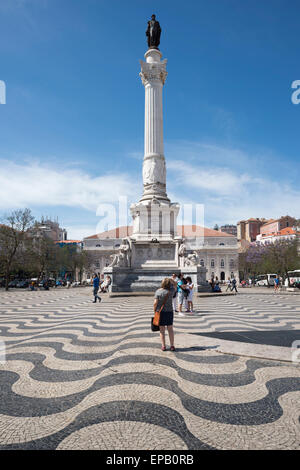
x,y
154,220
148,278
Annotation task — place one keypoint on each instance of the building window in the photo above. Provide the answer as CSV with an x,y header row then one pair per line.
x,y
97,246
222,263
212,263
201,262
117,246
221,244
231,264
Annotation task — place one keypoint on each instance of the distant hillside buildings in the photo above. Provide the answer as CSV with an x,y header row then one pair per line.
x,y
231,229
265,230
52,230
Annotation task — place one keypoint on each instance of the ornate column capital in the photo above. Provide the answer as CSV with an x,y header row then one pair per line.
x,y
153,72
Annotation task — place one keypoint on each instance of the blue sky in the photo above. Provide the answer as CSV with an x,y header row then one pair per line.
x,y
72,127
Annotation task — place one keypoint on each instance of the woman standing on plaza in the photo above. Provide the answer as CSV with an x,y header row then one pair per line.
x,y
163,296
190,295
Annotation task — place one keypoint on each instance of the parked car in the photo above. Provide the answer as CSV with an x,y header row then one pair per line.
x,y
265,280
13,283
23,284
44,283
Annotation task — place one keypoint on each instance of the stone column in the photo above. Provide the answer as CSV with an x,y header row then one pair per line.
x,y
154,216
153,74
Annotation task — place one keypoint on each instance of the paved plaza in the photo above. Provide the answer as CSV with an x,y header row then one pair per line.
x,y
80,375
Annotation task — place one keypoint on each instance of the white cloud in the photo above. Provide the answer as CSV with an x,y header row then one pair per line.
x,y
231,183
219,180
227,181
78,232
34,184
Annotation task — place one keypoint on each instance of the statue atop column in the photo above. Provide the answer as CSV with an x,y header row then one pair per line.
x,y
153,33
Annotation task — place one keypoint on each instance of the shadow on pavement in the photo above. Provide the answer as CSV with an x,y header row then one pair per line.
x,y
282,338
196,348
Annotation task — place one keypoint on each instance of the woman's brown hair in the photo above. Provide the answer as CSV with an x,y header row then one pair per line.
x,y
166,283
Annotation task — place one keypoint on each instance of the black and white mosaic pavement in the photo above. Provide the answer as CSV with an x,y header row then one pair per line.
x,y
80,375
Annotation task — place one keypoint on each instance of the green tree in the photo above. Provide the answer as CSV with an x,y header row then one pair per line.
x,y
13,238
41,254
282,257
73,260
278,258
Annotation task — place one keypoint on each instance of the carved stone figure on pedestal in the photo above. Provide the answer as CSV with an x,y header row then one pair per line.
x,y
192,259
122,262
153,33
123,257
125,249
115,260
182,249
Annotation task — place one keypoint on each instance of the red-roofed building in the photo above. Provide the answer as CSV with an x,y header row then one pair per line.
x,y
288,233
274,226
248,230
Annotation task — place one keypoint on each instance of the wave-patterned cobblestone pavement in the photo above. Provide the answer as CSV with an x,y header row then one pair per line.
x,y
80,375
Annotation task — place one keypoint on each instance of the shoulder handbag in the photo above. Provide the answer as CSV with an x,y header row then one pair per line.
x,y
156,319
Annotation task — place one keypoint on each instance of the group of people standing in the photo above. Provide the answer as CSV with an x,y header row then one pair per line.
x,y
215,284
174,293
183,295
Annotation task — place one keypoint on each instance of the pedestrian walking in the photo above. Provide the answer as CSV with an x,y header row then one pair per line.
x,y
276,285
163,297
233,282
96,283
228,282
